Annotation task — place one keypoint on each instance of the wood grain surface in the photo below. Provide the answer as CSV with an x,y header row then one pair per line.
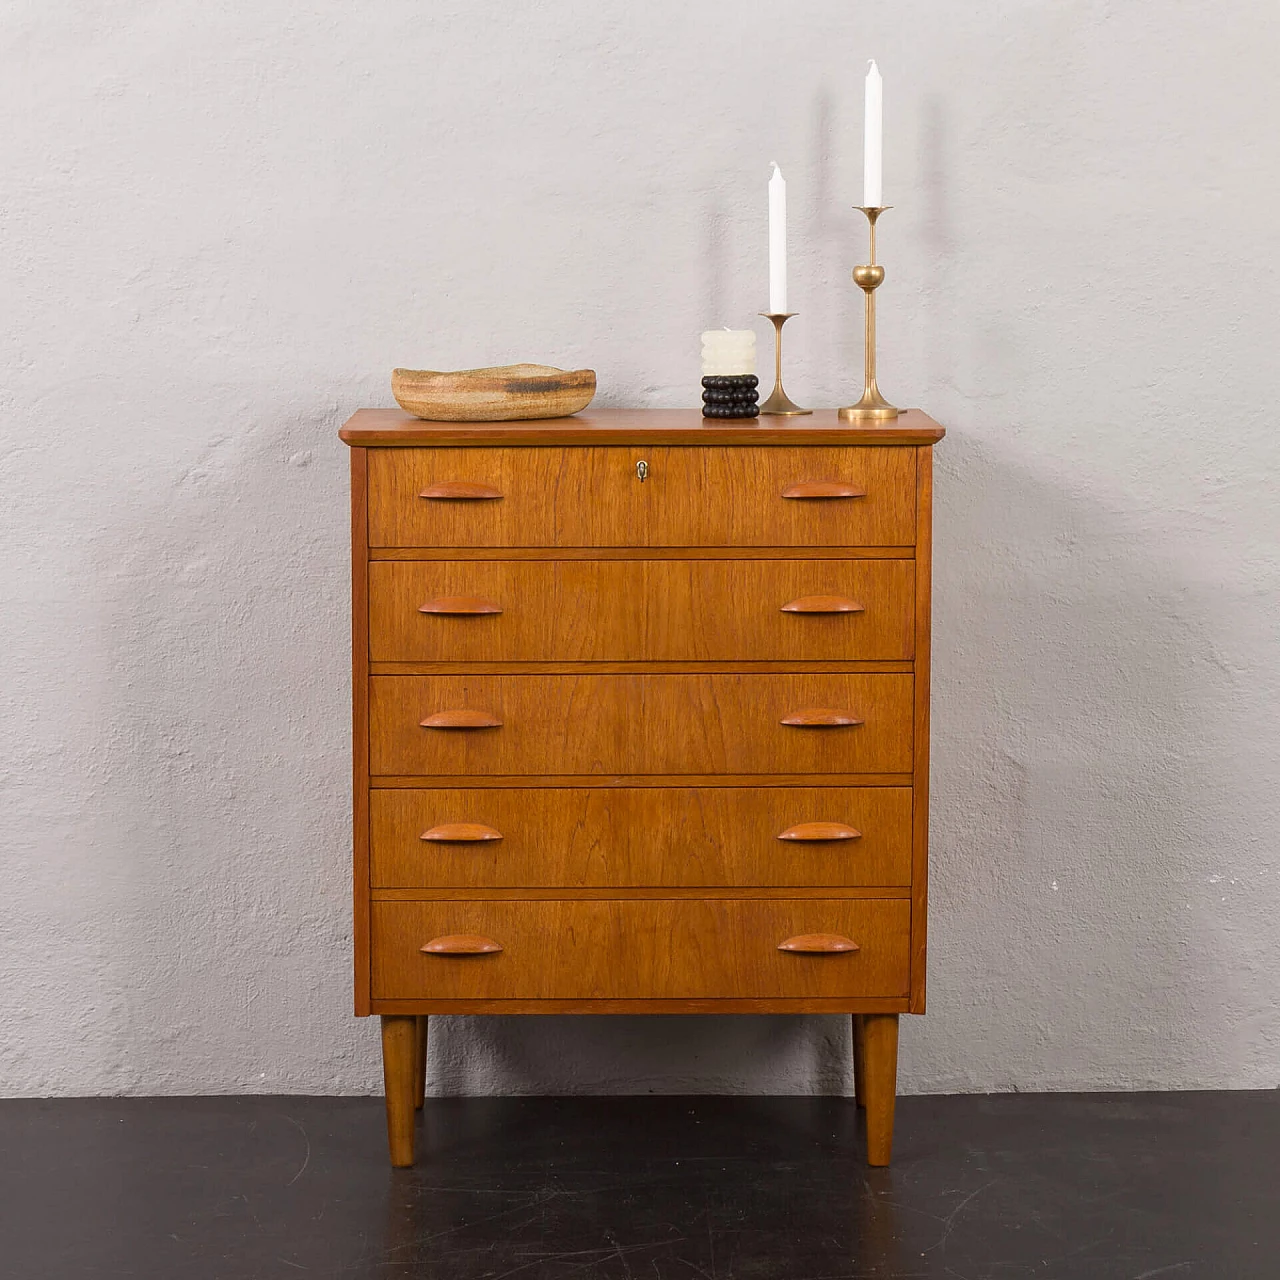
x,y
823,604
583,724
461,944
640,610
577,837
465,605
607,781
526,894
641,553
504,393
711,948
818,944
819,832
592,497
920,732
879,1061
460,718
360,729
823,491
399,1085
698,1004
822,718
460,833
460,491
397,429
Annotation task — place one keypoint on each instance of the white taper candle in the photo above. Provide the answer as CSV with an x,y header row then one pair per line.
x,y
873,140
777,242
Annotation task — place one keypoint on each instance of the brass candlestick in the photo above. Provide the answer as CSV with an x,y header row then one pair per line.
x,y
873,407
779,403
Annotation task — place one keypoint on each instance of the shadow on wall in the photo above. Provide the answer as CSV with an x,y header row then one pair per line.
x,y
221,853
1068,836
1076,734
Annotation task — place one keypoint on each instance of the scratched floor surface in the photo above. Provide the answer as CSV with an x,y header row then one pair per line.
x,y
1100,1187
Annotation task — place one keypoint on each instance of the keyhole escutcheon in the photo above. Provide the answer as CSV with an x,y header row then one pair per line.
x,y
642,470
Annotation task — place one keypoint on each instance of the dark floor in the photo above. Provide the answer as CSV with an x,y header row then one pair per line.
x,y
1056,1186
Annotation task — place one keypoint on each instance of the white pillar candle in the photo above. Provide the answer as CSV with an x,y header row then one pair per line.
x,y
777,242
873,140
728,353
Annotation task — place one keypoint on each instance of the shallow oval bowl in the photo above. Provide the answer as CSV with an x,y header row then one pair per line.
x,y
505,393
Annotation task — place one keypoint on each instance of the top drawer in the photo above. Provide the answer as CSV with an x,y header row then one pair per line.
x,y
690,497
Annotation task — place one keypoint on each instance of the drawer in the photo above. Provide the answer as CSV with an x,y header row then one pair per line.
x,y
638,949
550,837
652,724
640,610
592,497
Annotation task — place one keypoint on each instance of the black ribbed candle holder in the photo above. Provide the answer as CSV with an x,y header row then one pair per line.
x,y
731,397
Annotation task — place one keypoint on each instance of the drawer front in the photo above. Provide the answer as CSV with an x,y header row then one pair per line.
x,y
592,497
641,949
653,724
551,837
640,610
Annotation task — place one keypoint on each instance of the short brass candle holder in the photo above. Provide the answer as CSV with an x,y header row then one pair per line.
x,y
873,407
779,403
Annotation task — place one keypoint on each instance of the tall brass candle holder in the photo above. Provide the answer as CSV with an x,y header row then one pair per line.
x,y
873,407
779,403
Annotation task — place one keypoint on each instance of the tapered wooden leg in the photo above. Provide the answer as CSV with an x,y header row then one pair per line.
x,y
420,1062
399,1066
859,1078
880,1082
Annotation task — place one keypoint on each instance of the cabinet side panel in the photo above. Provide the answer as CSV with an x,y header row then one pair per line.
x,y
920,766
360,725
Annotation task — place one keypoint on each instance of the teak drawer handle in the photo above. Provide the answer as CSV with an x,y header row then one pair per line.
x,y
819,831
823,604
823,489
460,833
460,604
460,491
818,943
461,944
819,718
461,719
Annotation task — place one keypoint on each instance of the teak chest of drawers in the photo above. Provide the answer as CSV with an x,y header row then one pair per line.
x,y
641,724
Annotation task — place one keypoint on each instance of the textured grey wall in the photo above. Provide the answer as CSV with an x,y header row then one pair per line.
x,y
224,224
